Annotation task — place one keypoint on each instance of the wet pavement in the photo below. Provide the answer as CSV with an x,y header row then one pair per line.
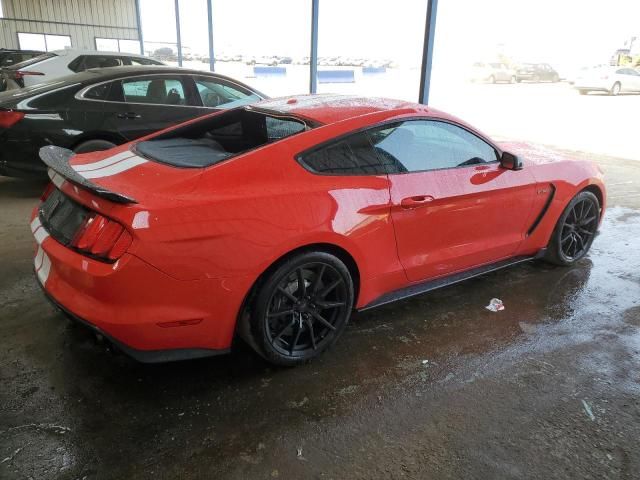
x,y
432,387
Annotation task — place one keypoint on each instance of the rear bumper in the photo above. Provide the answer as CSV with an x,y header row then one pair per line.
x,y
591,87
145,312
144,356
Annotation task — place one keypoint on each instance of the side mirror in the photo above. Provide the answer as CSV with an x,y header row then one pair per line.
x,y
510,161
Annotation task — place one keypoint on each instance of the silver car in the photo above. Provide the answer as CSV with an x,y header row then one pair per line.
x,y
492,73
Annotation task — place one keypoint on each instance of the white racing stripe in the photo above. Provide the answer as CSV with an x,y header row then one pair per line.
x,y
103,163
39,232
35,224
43,265
57,180
114,169
37,262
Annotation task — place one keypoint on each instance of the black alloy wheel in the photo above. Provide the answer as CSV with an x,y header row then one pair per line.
x,y
575,230
302,308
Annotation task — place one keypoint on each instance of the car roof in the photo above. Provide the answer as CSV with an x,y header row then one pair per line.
x,y
100,74
11,50
96,75
330,108
68,52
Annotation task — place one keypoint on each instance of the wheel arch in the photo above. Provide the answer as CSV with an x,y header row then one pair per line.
x,y
597,191
242,321
87,137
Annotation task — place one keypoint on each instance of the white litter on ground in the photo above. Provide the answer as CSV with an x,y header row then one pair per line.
x,y
495,305
587,409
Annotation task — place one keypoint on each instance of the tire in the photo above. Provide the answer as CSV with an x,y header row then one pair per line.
x,y
512,79
519,80
576,228
583,91
615,89
535,79
93,146
555,79
288,326
492,79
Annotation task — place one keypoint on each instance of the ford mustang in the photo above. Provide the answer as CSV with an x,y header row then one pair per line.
x,y
273,222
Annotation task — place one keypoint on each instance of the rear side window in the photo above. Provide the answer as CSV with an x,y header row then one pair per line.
x,y
85,62
353,155
99,92
141,61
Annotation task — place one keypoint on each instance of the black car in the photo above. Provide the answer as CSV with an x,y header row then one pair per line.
x,y
101,108
536,72
11,57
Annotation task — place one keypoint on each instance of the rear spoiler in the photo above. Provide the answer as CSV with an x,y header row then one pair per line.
x,y
57,159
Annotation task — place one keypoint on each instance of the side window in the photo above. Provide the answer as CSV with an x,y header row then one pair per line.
x,y
140,61
220,94
77,65
420,145
99,92
352,155
159,91
100,61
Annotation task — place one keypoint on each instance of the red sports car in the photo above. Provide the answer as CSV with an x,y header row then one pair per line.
x,y
277,220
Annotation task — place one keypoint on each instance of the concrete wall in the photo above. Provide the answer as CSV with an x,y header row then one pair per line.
x,y
83,20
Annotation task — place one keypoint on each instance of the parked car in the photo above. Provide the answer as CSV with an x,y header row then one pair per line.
x,y
11,57
60,63
99,109
536,72
612,80
492,73
276,220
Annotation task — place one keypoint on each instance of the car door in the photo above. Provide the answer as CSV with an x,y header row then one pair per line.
x,y
634,77
629,80
453,206
95,110
152,102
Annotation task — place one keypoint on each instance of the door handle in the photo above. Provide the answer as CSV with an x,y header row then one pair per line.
x,y
129,115
416,201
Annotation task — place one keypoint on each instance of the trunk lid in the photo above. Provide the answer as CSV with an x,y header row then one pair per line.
x,y
120,175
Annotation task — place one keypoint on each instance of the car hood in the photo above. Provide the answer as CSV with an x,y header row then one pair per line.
x,y
121,175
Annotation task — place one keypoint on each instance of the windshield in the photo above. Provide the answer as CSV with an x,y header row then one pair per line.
x,y
32,61
217,138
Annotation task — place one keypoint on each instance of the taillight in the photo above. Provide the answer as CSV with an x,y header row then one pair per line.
x,y
102,238
23,73
8,118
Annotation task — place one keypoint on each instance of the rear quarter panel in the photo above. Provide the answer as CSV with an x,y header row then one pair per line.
x,y
248,212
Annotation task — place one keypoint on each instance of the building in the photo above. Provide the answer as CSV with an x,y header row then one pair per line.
x,y
81,24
